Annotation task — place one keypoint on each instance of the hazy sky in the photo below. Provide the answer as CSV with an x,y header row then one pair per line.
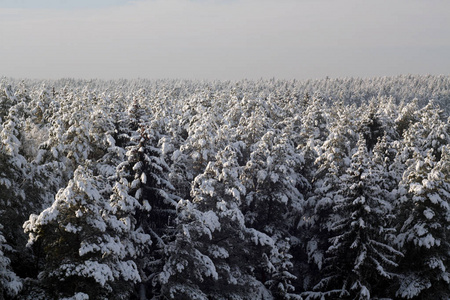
x,y
223,39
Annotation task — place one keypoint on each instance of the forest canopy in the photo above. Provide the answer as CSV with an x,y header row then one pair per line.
x,y
269,189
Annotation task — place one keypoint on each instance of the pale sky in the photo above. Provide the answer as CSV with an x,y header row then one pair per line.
x,y
223,39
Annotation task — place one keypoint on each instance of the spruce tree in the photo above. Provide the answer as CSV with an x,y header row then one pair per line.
x,y
211,257
424,228
360,256
273,205
334,157
90,246
146,173
10,283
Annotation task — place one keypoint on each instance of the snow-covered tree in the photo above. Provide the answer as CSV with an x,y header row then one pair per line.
x,y
90,246
16,190
360,258
273,203
370,125
210,257
7,99
430,132
273,200
407,116
147,173
314,119
12,166
424,227
10,284
333,160
254,124
384,156
200,147
144,172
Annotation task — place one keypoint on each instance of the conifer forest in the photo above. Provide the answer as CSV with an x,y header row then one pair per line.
x,y
266,189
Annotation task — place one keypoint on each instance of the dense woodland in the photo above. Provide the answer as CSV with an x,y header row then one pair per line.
x,y
269,189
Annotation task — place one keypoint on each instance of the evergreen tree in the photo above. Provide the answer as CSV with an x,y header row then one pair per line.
x,y
273,204
10,284
89,244
146,172
211,256
7,99
334,157
360,258
424,227
430,132
15,191
370,125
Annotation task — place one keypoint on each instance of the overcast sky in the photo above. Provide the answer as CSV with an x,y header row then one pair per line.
x,y
223,39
